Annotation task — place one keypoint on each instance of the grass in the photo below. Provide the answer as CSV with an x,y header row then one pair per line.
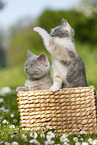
x,y
12,77
88,53
12,134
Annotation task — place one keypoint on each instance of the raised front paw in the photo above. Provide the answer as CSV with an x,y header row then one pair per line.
x,y
37,29
54,88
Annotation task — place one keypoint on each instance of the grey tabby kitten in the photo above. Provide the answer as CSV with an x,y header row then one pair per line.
x,y
68,67
38,71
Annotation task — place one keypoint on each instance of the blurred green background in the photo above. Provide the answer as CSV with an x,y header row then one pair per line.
x,y
83,20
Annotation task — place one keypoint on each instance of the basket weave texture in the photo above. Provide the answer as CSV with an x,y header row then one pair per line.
x,y
67,110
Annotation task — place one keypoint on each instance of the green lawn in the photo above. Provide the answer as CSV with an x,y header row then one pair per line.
x,y
89,55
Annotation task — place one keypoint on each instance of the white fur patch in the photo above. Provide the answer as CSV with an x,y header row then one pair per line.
x,y
60,68
66,43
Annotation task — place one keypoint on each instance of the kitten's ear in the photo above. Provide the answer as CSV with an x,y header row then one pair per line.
x,y
42,58
30,54
72,32
63,22
65,25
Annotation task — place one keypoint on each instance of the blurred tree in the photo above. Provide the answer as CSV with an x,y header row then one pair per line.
x,y
27,39
21,25
2,56
88,7
85,27
85,31
2,4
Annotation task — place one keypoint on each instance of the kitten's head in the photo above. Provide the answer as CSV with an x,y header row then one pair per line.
x,y
62,31
37,66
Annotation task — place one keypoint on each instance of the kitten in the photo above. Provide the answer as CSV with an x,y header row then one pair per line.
x,y
68,67
38,71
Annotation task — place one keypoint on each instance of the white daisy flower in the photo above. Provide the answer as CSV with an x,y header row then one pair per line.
x,y
49,127
65,143
85,143
7,143
77,143
12,136
5,121
15,143
36,142
1,100
90,140
1,142
12,126
82,132
2,108
49,142
50,135
65,135
14,120
14,132
95,142
42,135
1,117
81,139
11,115
75,139
5,90
23,136
6,110
33,134
32,141
64,138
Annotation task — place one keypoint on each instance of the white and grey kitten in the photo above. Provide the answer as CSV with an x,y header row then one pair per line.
x,y
68,67
38,71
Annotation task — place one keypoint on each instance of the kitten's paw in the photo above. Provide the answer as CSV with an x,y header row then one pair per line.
x,y
21,89
37,29
54,88
17,89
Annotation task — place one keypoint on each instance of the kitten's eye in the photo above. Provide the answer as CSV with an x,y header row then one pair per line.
x,y
25,64
31,64
66,31
55,31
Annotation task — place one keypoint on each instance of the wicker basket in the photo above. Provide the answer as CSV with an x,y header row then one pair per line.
x,y
67,110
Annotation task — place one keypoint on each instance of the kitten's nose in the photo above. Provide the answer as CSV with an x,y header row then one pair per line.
x,y
52,30
25,69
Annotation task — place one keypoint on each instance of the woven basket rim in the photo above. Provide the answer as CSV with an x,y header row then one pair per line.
x,y
63,89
